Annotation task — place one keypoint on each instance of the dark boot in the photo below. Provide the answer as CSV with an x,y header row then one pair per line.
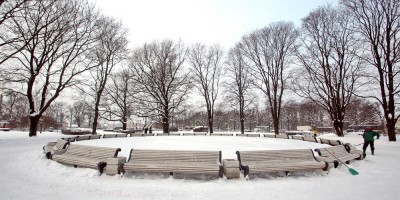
x,y
372,151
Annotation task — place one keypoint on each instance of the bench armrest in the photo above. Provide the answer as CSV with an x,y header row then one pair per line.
x,y
115,160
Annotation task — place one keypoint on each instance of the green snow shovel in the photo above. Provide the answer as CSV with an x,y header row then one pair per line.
x,y
351,170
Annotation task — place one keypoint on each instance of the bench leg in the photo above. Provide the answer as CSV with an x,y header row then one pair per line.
x,y
246,171
121,169
335,163
221,172
100,167
326,168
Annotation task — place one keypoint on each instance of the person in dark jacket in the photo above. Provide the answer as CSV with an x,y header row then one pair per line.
x,y
368,136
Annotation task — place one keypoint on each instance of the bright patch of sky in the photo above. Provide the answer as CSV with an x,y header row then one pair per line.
x,y
203,21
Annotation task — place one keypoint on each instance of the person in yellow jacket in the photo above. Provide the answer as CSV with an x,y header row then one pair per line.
x,y
315,132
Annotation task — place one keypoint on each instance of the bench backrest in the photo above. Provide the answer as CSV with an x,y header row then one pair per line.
x,y
61,144
282,136
290,155
297,137
310,139
338,151
221,134
121,135
82,137
195,133
109,135
70,139
324,141
330,142
335,142
269,135
248,135
173,156
92,137
92,151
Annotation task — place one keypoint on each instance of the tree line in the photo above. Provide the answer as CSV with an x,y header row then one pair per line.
x,y
331,61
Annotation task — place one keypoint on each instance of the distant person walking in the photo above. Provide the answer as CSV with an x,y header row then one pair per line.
x,y
368,136
315,132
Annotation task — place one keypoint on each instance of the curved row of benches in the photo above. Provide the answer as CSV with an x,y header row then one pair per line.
x,y
207,162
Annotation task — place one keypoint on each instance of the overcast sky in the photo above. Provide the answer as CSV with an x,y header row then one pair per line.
x,y
203,21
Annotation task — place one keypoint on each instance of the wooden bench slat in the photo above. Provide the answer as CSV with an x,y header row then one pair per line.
x,y
272,161
335,153
86,156
174,161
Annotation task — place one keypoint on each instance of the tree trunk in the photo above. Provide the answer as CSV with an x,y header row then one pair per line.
x,y
210,121
241,116
33,125
241,125
276,125
124,121
338,125
95,119
391,129
165,124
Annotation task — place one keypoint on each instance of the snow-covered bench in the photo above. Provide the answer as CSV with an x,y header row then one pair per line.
x,y
139,135
330,142
121,135
221,134
352,149
115,135
168,134
297,137
333,154
55,147
87,156
274,161
83,137
248,135
174,161
70,139
282,136
269,135
310,139
195,133
93,137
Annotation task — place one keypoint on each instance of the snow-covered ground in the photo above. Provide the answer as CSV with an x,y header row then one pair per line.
x,y
25,173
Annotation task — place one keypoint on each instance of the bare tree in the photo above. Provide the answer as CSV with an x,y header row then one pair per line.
x,y
378,23
238,85
361,111
206,66
10,10
109,50
164,82
120,93
14,105
55,35
270,52
331,71
57,111
79,109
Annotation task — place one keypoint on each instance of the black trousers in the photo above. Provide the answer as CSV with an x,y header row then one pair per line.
x,y
366,143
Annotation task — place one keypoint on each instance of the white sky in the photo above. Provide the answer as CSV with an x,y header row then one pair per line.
x,y
203,21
